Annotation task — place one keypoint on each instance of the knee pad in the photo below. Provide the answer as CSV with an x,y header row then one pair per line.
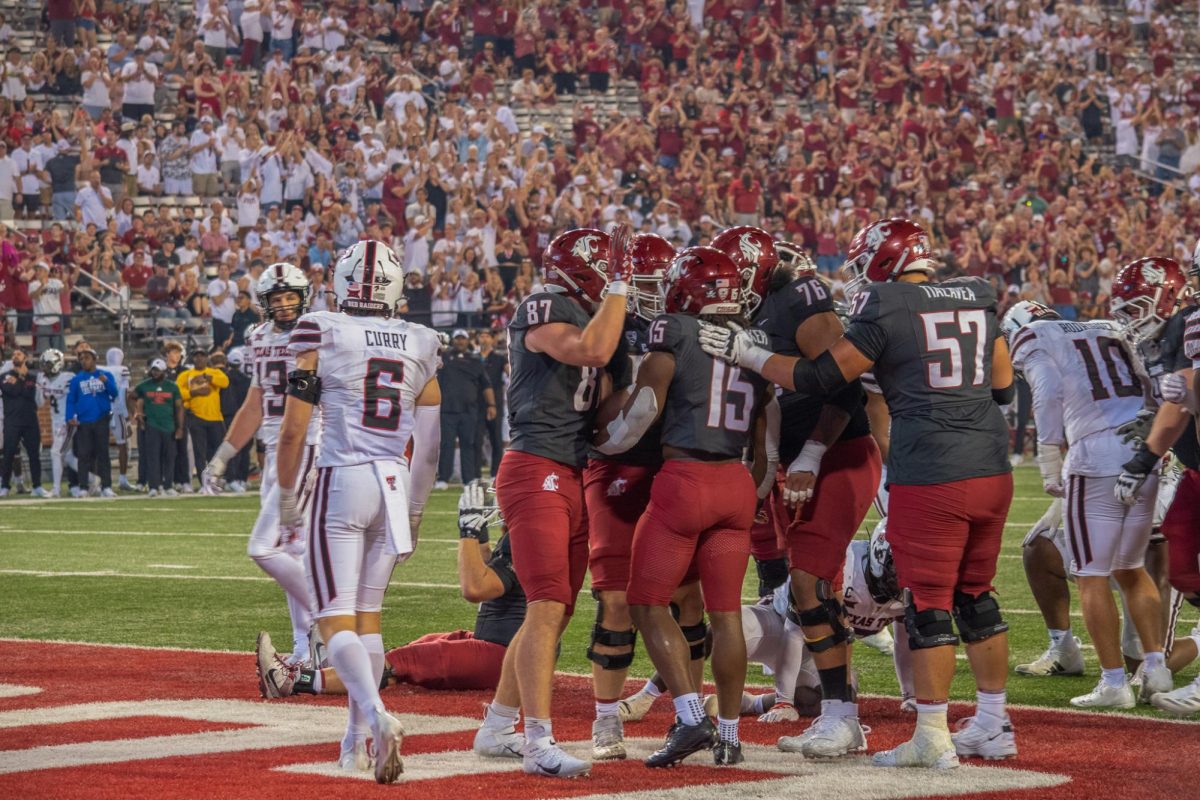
x,y
829,612
932,627
772,573
697,639
605,637
978,617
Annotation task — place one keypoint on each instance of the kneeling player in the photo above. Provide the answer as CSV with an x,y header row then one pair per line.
x,y
702,501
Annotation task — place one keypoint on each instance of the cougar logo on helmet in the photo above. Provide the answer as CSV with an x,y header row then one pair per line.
x,y
750,249
876,236
585,246
1153,274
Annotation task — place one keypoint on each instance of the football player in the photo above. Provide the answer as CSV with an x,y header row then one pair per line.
x,y
114,359
52,385
375,380
833,469
702,501
1047,564
874,602
560,340
1085,386
616,491
938,355
283,294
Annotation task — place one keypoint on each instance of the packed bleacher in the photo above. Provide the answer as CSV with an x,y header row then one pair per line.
x,y
156,155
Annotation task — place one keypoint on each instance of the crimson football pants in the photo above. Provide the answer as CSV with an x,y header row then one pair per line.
x,y
1181,527
455,660
946,537
616,495
542,504
698,511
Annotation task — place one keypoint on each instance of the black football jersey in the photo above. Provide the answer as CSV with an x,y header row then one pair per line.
x,y
498,620
1169,353
551,405
932,345
622,367
782,313
710,404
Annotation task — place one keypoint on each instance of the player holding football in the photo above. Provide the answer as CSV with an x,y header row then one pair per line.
x,y
375,380
560,341
283,293
1154,305
937,353
702,501
832,475
616,491
1085,386
52,384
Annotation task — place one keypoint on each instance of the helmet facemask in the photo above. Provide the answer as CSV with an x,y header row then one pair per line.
x,y
1138,317
284,316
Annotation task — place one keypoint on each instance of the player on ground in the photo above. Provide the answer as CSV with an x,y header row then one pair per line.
x,y
616,492
52,385
560,341
833,469
1047,564
703,498
1085,386
283,292
937,353
375,380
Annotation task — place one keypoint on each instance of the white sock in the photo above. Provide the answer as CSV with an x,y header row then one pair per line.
x,y
373,642
501,716
1113,677
537,729
651,688
728,730
607,709
838,708
301,624
756,704
1057,636
989,708
353,665
932,715
689,709
1153,661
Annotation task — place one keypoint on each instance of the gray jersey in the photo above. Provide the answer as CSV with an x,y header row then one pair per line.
x,y
710,405
634,345
551,405
932,345
1170,352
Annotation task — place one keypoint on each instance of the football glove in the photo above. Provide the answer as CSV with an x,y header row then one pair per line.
x,y
620,260
289,509
1050,462
1135,431
1134,473
802,474
473,512
733,344
211,479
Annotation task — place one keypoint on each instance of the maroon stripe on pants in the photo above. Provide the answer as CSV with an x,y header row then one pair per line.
x,y
1083,531
314,516
327,562
1072,520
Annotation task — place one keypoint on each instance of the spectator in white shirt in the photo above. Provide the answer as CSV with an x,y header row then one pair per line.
x,y
8,183
334,29
138,79
93,203
14,77
46,294
31,168
217,31
416,245
205,176
97,86
222,299
283,22
251,23
149,178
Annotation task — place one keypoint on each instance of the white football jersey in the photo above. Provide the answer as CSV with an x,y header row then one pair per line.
x,y
863,613
1084,385
270,363
372,370
53,392
121,373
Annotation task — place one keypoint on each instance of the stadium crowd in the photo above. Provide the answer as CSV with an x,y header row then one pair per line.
x,y
153,152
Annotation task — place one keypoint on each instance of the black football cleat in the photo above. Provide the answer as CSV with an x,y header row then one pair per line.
x,y
727,754
682,741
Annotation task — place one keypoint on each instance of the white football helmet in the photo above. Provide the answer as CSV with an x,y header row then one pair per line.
x,y
795,258
52,362
236,357
282,277
368,279
881,569
1023,313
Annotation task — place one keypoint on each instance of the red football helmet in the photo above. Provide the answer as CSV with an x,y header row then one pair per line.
x,y
752,250
576,263
1145,294
652,256
702,280
885,250
795,257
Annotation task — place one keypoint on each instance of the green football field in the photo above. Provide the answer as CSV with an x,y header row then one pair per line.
x,y
174,572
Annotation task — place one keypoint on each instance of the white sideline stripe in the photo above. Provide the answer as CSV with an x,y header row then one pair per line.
x,y
172,566
175,576
18,690
5,529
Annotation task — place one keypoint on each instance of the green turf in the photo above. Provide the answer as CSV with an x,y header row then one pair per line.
x,y
174,572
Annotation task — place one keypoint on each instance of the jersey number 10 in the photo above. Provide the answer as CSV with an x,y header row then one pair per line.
x,y
1111,351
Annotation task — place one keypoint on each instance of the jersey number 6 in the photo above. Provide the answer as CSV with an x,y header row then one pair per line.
x,y
376,393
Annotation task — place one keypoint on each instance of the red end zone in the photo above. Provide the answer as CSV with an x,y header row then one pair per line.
x,y
123,723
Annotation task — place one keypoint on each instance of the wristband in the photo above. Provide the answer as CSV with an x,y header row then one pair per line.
x,y
755,359
809,459
224,452
1143,462
1049,459
619,288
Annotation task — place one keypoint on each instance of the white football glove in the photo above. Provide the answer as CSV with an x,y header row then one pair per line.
x,y
211,479
1135,431
473,513
1128,486
289,509
802,474
732,344
1175,389
1050,462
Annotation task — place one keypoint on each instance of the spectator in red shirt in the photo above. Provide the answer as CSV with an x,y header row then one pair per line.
x,y
744,200
137,274
599,55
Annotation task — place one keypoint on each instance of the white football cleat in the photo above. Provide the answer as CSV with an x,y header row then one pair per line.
x,y
972,739
1155,681
635,707
1105,696
388,735
124,485
75,492
1182,702
39,492
55,493
441,485
780,712
275,676
358,758
1064,658
795,744
881,641
171,492
152,493
493,742
834,737
3,492
908,705
545,757
107,492
317,655
608,739
931,747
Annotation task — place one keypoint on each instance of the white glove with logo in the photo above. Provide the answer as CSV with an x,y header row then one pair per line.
x,y
1175,389
733,344
211,479
1135,431
472,512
